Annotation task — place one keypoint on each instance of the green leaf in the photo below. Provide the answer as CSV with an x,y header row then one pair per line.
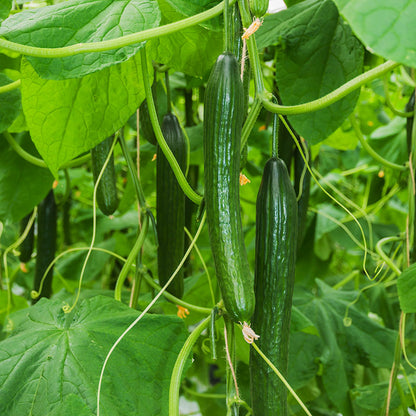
x,y
387,27
10,104
406,288
22,184
5,7
52,356
80,21
67,118
358,340
192,51
317,53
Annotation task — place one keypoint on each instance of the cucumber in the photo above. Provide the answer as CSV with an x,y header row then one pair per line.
x,y
45,244
107,199
259,7
170,206
303,201
223,119
26,248
276,239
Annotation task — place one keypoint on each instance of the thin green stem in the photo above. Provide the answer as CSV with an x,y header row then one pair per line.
x,y
282,379
204,266
383,255
133,172
39,162
333,96
168,96
389,104
187,189
275,138
67,308
371,151
131,258
250,121
10,87
227,41
146,309
175,381
203,395
212,333
16,244
117,43
174,299
252,47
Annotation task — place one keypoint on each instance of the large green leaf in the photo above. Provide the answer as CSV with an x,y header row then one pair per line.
x,y
80,21
52,356
317,53
69,117
10,104
359,340
22,184
387,27
192,50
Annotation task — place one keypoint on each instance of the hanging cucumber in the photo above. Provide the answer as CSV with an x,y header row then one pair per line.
x,y
26,248
302,186
170,206
45,244
276,238
259,7
223,119
107,199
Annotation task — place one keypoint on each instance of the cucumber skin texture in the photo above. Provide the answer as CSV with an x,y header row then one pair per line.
x,y
259,7
107,199
276,239
170,207
26,248
45,244
303,202
223,119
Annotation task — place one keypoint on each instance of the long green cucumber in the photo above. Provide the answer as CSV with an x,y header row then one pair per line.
x,y
45,244
107,199
170,206
223,119
276,239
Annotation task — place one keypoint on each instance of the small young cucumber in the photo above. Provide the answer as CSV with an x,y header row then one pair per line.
x,y
259,7
170,206
276,238
223,119
107,199
45,244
